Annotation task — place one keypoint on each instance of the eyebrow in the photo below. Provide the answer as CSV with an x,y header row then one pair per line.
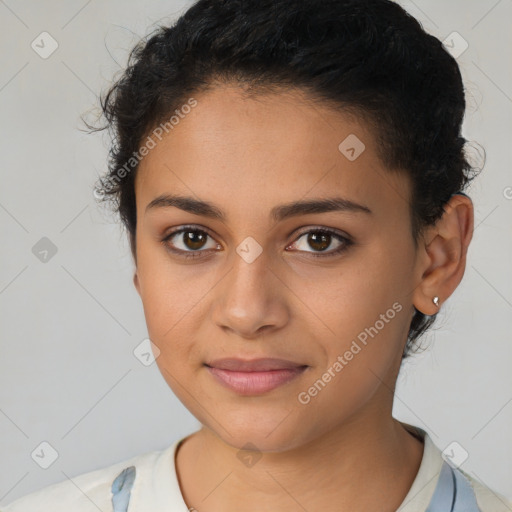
x,y
278,213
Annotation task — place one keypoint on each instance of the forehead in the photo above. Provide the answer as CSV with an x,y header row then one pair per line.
x,y
243,152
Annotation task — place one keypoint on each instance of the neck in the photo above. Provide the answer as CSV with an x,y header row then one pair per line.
x,y
366,464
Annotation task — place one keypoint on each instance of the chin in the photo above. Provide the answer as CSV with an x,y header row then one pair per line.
x,y
262,436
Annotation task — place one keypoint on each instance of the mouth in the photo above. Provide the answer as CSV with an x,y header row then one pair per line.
x,y
256,376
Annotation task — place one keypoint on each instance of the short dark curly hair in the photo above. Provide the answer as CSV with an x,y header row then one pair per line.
x,y
368,57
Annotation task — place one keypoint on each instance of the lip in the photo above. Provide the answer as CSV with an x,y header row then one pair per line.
x,y
253,365
254,377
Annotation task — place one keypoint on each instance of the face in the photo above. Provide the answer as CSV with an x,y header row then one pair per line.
x,y
328,289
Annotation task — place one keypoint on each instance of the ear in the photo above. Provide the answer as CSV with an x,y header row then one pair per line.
x,y
442,254
136,282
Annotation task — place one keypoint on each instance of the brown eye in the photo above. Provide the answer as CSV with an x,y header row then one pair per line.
x,y
187,241
320,240
194,239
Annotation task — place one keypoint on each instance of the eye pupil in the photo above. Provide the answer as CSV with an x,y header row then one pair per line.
x,y
320,241
194,239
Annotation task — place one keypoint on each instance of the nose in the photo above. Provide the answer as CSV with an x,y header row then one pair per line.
x,y
252,299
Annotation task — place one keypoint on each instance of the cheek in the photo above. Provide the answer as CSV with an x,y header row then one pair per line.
x,y
174,305
361,314
164,295
360,356
169,314
346,299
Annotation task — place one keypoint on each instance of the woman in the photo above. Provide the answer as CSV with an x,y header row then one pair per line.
x,y
291,178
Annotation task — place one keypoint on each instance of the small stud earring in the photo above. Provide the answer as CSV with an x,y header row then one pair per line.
x,y
435,300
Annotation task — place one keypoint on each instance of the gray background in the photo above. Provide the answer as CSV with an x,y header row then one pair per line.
x,y
68,375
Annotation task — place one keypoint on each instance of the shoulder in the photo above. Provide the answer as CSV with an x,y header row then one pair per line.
x,y
487,499
429,486
89,491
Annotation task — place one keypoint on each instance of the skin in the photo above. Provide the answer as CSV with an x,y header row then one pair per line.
x,y
246,156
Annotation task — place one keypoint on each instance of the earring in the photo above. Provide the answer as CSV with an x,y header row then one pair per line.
x,y
435,300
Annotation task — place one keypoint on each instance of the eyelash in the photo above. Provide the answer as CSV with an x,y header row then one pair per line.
x,y
346,242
